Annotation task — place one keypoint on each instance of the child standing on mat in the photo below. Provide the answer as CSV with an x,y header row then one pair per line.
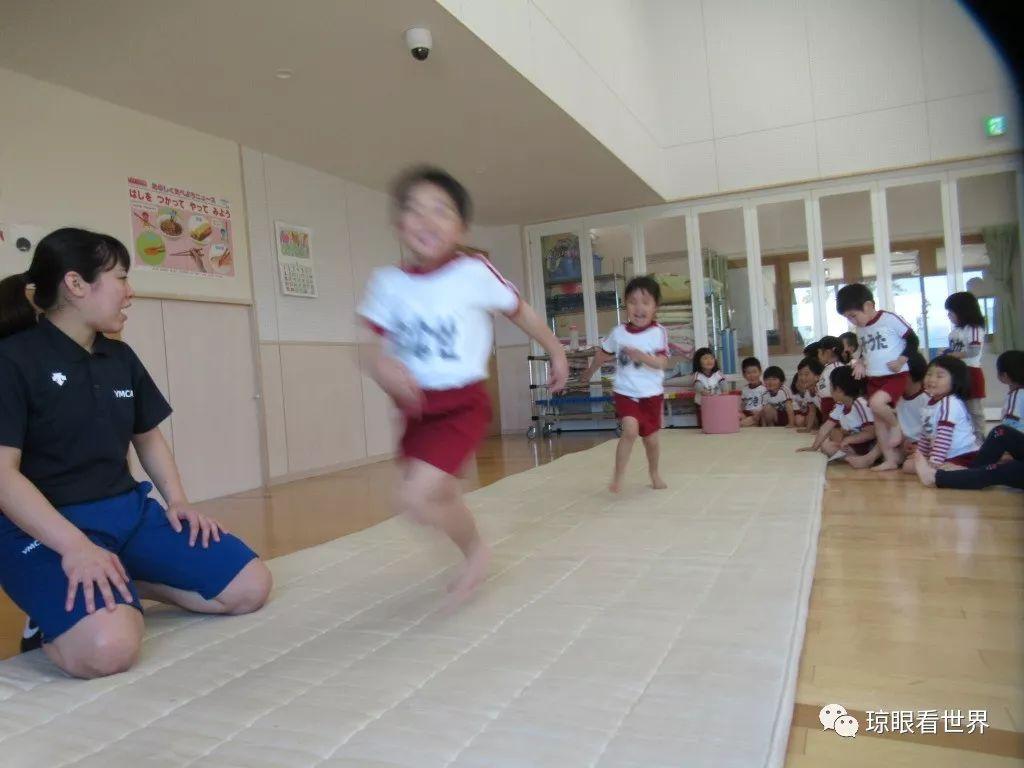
x,y
433,320
886,341
966,341
640,350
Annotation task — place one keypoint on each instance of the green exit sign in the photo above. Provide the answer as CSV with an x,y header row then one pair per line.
x,y
995,125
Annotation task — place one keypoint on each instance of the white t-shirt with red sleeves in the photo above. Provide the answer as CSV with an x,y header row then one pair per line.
x,y
947,430
802,401
854,417
634,379
825,380
752,397
881,341
1013,410
910,412
438,323
969,339
778,400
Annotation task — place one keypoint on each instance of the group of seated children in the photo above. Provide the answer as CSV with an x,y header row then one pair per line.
x,y
870,396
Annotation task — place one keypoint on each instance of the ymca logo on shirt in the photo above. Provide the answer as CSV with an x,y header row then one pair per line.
x,y
121,394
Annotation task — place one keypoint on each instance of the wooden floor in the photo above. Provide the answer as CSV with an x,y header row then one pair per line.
x,y
916,604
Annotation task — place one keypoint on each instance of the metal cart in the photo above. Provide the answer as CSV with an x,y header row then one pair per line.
x,y
548,411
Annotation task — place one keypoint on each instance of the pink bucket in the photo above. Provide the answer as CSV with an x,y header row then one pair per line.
x,y
720,414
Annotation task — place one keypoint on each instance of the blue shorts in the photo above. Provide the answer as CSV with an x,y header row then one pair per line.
x,y
134,527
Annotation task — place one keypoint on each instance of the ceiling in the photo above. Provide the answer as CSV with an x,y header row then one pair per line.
x,y
358,105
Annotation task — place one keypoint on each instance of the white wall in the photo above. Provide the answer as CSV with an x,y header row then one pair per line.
x,y
64,160
704,97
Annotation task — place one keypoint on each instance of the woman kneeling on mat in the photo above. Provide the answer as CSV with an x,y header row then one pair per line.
x,y
80,540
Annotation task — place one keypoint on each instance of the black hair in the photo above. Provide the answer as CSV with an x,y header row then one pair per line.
x,y
60,252
644,283
750,362
957,370
699,354
853,297
917,365
774,372
426,174
842,379
850,338
811,349
1011,363
813,363
965,306
832,344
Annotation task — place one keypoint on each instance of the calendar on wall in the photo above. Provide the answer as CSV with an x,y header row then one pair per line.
x,y
295,260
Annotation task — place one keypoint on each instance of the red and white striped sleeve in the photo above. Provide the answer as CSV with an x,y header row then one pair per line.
x,y
943,435
663,352
864,414
898,324
494,291
977,336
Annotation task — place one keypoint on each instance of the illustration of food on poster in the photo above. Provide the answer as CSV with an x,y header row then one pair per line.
x,y
295,260
178,230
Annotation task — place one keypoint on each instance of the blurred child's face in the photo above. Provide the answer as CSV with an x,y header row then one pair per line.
x,y
848,351
805,379
752,374
706,362
937,381
952,317
640,308
825,356
841,397
861,317
1007,380
773,384
429,223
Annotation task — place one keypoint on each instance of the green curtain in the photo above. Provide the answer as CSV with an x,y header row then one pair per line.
x,y
1003,246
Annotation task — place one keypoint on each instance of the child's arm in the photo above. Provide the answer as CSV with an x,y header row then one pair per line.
x,y
866,435
600,358
530,323
652,361
393,377
821,437
790,416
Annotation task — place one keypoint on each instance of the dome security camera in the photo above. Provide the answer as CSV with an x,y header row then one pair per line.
x,y
419,42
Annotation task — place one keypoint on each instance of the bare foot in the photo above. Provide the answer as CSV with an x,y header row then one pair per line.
x,y
896,437
615,485
657,483
472,575
925,470
885,466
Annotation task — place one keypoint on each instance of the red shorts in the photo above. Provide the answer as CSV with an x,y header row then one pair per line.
x,y
646,410
451,426
863,449
977,377
781,417
893,385
963,460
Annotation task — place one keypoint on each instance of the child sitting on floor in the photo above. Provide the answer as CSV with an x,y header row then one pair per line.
x,y
752,395
777,404
805,395
849,431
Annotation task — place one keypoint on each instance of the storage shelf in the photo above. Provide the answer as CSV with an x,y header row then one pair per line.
x,y
566,280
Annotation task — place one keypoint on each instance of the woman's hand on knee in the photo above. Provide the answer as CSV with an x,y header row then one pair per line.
x,y
90,566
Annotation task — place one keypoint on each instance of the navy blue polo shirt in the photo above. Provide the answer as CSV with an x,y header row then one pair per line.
x,y
73,413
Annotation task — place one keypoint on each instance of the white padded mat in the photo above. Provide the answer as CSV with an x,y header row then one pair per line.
x,y
655,629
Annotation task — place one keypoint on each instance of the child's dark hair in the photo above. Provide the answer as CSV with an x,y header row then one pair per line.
x,y
957,370
842,379
853,297
60,252
647,284
426,174
917,365
698,355
850,338
965,306
832,344
811,349
813,363
750,362
1011,364
774,372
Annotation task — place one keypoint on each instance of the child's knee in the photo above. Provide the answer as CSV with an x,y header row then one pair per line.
x,y
880,402
630,428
